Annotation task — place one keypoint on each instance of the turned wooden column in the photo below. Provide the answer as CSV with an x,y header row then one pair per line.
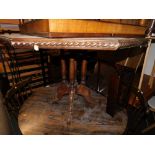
x,y
83,71
72,71
75,65
63,70
63,89
98,66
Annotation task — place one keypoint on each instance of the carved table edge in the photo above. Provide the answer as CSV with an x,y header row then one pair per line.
x,y
75,43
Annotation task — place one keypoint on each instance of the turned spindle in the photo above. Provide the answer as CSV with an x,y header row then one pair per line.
x,y
63,70
72,71
75,64
98,66
83,71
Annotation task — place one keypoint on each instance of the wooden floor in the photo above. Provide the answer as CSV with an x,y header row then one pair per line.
x,y
40,114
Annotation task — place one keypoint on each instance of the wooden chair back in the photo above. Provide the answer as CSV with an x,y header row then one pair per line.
x,y
16,96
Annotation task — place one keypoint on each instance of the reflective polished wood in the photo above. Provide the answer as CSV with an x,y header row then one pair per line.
x,y
20,41
83,28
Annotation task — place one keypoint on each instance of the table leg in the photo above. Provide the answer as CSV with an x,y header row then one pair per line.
x,y
63,70
82,89
72,73
73,88
75,64
83,72
63,89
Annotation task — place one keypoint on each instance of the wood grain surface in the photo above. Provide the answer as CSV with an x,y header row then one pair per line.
x,y
48,27
41,115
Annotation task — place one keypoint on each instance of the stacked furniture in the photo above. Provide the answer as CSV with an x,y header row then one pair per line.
x,y
73,115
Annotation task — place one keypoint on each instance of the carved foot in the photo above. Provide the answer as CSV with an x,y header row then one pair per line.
x,y
62,90
86,93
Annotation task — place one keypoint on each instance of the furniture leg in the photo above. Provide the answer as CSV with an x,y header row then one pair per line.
x,y
63,70
63,89
72,73
82,89
83,72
